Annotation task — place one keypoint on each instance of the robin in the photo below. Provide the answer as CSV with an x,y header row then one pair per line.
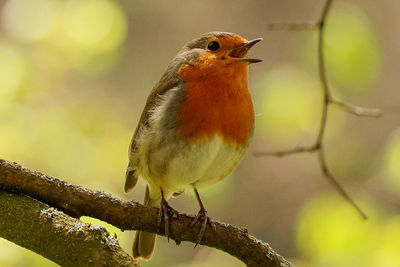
x,y
195,128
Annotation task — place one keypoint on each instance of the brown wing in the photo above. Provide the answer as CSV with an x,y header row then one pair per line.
x,y
168,81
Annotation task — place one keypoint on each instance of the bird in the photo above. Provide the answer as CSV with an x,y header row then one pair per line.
x,y
195,128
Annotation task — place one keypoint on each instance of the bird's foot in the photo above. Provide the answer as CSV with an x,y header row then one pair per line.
x,y
164,214
203,217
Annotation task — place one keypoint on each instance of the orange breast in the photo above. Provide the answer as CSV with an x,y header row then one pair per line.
x,y
217,102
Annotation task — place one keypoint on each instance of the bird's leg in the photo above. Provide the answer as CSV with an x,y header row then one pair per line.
x,y
202,215
164,214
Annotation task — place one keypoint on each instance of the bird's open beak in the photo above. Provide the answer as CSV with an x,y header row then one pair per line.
x,y
241,51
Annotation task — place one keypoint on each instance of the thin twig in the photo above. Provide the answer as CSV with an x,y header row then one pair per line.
x,y
332,179
282,153
357,110
327,101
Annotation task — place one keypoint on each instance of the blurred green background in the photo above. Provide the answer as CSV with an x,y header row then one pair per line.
x,y
74,76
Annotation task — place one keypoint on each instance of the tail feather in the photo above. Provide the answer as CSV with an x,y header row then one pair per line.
x,y
144,243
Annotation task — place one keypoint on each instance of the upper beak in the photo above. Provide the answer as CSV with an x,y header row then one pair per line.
x,y
241,51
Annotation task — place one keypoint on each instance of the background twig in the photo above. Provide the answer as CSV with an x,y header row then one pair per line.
x,y
328,100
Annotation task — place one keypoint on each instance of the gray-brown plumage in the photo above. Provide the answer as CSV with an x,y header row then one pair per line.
x,y
171,162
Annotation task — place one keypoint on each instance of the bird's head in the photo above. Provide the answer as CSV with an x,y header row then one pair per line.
x,y
214,52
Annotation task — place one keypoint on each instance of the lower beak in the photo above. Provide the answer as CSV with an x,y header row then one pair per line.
x,y
241,51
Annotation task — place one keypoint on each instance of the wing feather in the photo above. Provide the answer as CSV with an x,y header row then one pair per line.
x,y
167,82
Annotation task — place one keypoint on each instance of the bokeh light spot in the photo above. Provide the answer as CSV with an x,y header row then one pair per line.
x,y
329,230
289,105
29,20
97,25
13,72
7,251
352,51
387,253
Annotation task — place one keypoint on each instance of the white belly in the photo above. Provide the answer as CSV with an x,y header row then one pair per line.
x,y
203,163
180,166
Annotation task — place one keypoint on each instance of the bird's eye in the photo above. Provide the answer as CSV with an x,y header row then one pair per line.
x,y
213,46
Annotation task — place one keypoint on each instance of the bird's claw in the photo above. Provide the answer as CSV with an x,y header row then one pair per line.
x,y
202,215
164,214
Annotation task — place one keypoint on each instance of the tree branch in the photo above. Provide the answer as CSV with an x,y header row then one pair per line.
x,y
328,100
57,236
79,201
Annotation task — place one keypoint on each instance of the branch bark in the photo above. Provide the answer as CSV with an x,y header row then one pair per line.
x,y
57,236
79,201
